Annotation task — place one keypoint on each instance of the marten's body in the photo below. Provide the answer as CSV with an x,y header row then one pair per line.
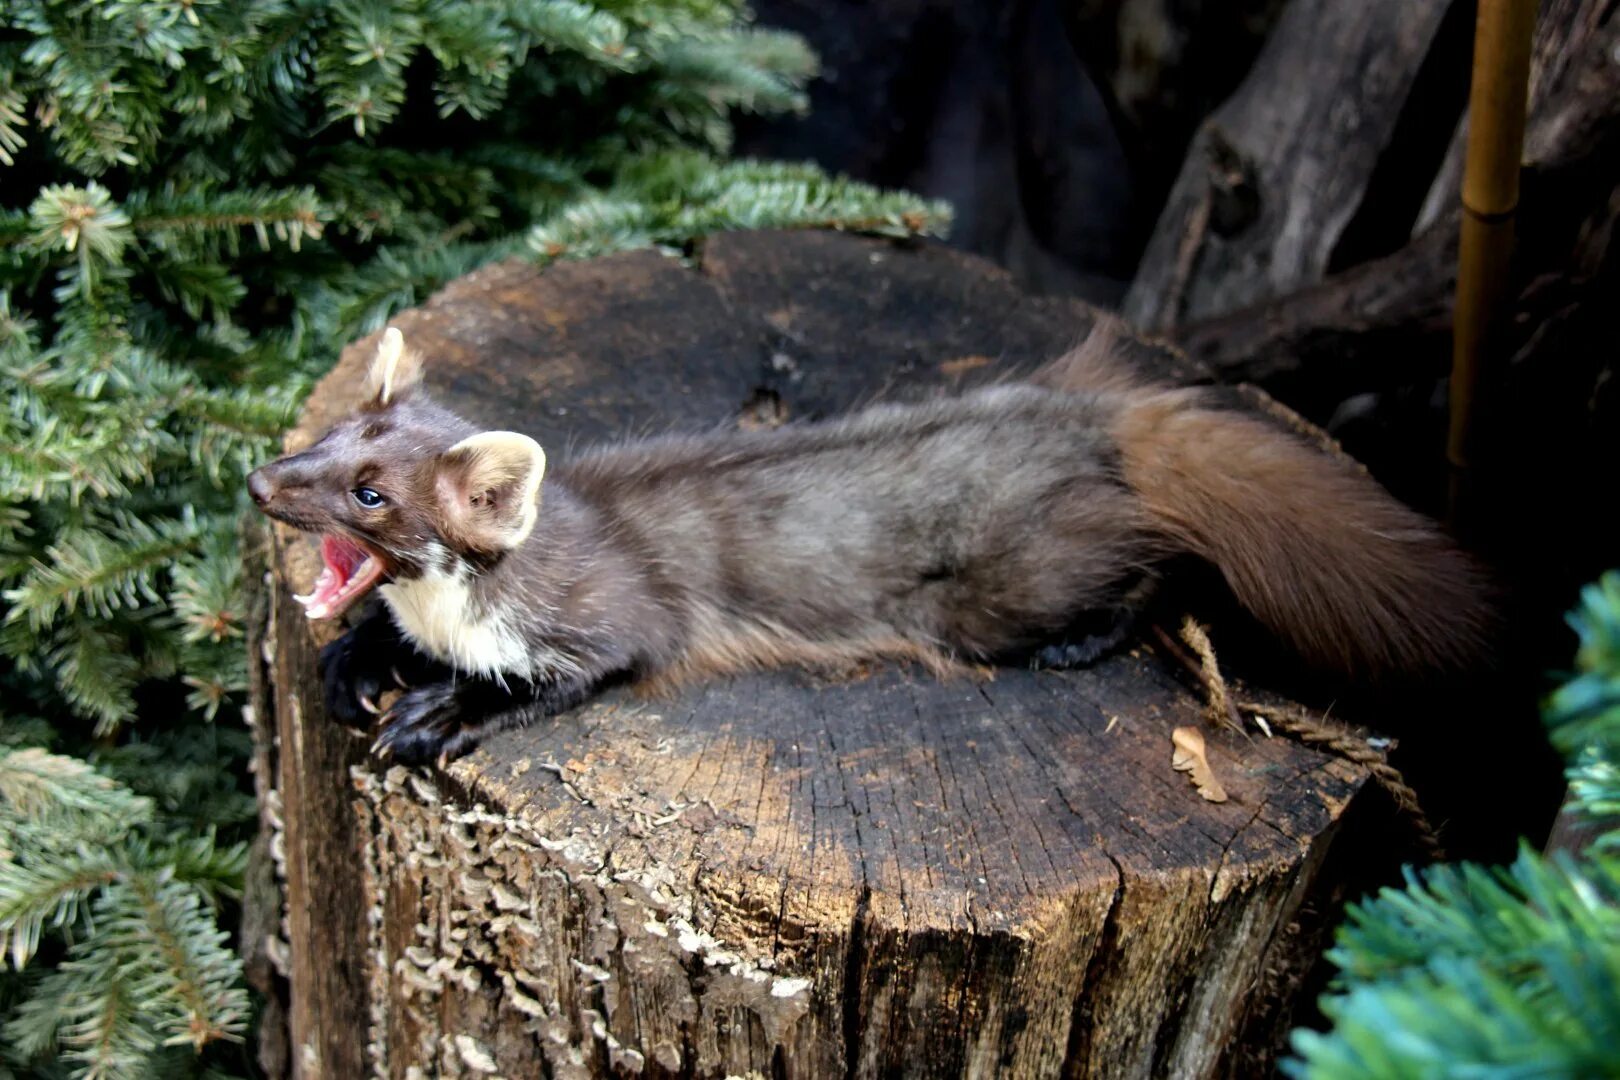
x,y
999,523
952,528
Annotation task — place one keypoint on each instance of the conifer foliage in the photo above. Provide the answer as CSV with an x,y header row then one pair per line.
x,y
200,200
1499,972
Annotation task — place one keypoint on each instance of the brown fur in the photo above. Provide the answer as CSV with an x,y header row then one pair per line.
x,y
754,650
984,526
1347,576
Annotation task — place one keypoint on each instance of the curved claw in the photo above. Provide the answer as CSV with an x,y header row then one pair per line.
x,y
359,666
419,725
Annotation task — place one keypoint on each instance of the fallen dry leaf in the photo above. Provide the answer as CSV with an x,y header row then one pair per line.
x,y
1189,758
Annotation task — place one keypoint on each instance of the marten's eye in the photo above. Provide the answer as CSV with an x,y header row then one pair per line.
x,y
368,498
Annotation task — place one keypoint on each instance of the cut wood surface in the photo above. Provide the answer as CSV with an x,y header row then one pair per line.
x,y
784,874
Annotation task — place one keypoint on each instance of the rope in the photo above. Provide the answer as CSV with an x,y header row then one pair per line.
x,y
1221,707
1302,726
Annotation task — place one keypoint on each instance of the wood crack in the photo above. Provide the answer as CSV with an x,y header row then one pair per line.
x,y
854,984
1077,1060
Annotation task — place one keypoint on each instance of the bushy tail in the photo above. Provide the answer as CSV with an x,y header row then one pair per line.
x,y
1311,545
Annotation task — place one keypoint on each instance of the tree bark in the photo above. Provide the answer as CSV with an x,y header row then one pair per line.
x,y
1390,318
1366,352
785,875
1276,174
1565,30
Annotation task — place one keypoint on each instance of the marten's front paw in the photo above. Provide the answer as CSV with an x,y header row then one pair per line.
x,y
427,724
367,662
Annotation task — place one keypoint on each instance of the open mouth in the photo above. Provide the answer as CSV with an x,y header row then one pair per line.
x,y
349,574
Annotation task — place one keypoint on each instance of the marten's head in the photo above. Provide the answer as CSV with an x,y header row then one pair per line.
x,y
402,488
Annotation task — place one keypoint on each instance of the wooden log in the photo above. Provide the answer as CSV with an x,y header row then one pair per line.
x,y
1275,175
785,875
1165,67
1565,31
1388,320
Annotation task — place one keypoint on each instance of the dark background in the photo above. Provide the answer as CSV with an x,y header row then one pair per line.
x,y
1054,129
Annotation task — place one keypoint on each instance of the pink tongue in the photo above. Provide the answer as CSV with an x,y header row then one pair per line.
x,y
341,558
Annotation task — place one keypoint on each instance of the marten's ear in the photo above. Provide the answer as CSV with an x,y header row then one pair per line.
x,y
488,487
394,370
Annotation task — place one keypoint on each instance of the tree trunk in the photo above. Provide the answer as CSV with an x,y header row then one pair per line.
x,y
783,875
1386,319
1565,30
1367,351
1277,173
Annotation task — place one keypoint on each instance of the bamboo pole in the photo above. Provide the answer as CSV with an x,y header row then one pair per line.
x,y
1490,197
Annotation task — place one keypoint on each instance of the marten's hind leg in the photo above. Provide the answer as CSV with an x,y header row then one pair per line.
x,y
1098,633
1103,632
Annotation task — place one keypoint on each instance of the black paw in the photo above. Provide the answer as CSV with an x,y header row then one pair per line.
x,y
1084,649
1069,654
365,663
427,724
443,720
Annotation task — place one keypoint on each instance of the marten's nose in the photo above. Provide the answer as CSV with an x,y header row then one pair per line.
x,y
260,487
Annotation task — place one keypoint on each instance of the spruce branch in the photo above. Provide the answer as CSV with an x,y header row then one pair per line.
x,y
180,956
93,669
1493,971
30,898
57,461
198,287
1584,714
213,676
204,201
100,568
186,773
145,957
198,862
756,71
19,336
86,1007
82,221
592,32
675,196
291,215
21,731
1501,916
206,594
46,786
1458,1019
12,120
394,280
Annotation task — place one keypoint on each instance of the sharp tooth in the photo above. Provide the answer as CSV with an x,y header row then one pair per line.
x,y
304,598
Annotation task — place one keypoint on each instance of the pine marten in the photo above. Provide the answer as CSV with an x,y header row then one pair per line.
x,y
1011,521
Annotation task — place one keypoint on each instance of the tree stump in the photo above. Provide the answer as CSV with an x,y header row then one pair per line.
x,y
782,874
